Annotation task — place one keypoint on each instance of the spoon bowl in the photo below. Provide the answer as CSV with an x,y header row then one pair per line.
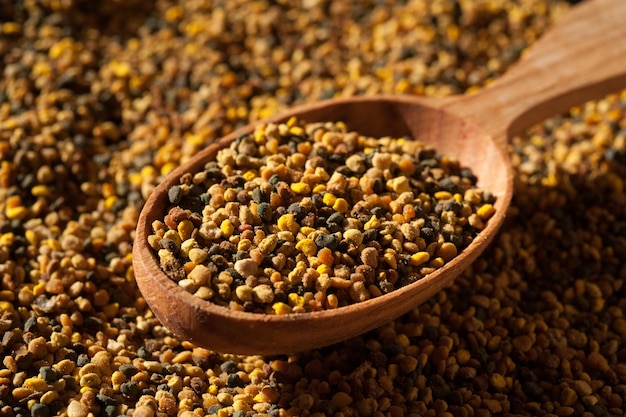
x,y
227,330
582,57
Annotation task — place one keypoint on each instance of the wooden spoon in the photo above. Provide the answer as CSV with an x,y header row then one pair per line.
x,y
582,57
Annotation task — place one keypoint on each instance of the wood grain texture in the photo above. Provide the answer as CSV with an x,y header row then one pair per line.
x,y
583,57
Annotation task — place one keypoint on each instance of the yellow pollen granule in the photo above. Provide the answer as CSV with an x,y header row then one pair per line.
x,y
329,199
249,175
40,191
341,205
7,239
227,228
443,195
485,211
35,384
295,300
39,289
288,222
323,269
281,308
419,258
372,223
307,247
390,258
436,262
296,130
301,188
6,307
185,228
306,230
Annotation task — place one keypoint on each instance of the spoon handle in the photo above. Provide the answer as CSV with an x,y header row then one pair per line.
x,y
582,57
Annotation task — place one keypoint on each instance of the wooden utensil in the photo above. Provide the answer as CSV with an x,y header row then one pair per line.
x,y
582,57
